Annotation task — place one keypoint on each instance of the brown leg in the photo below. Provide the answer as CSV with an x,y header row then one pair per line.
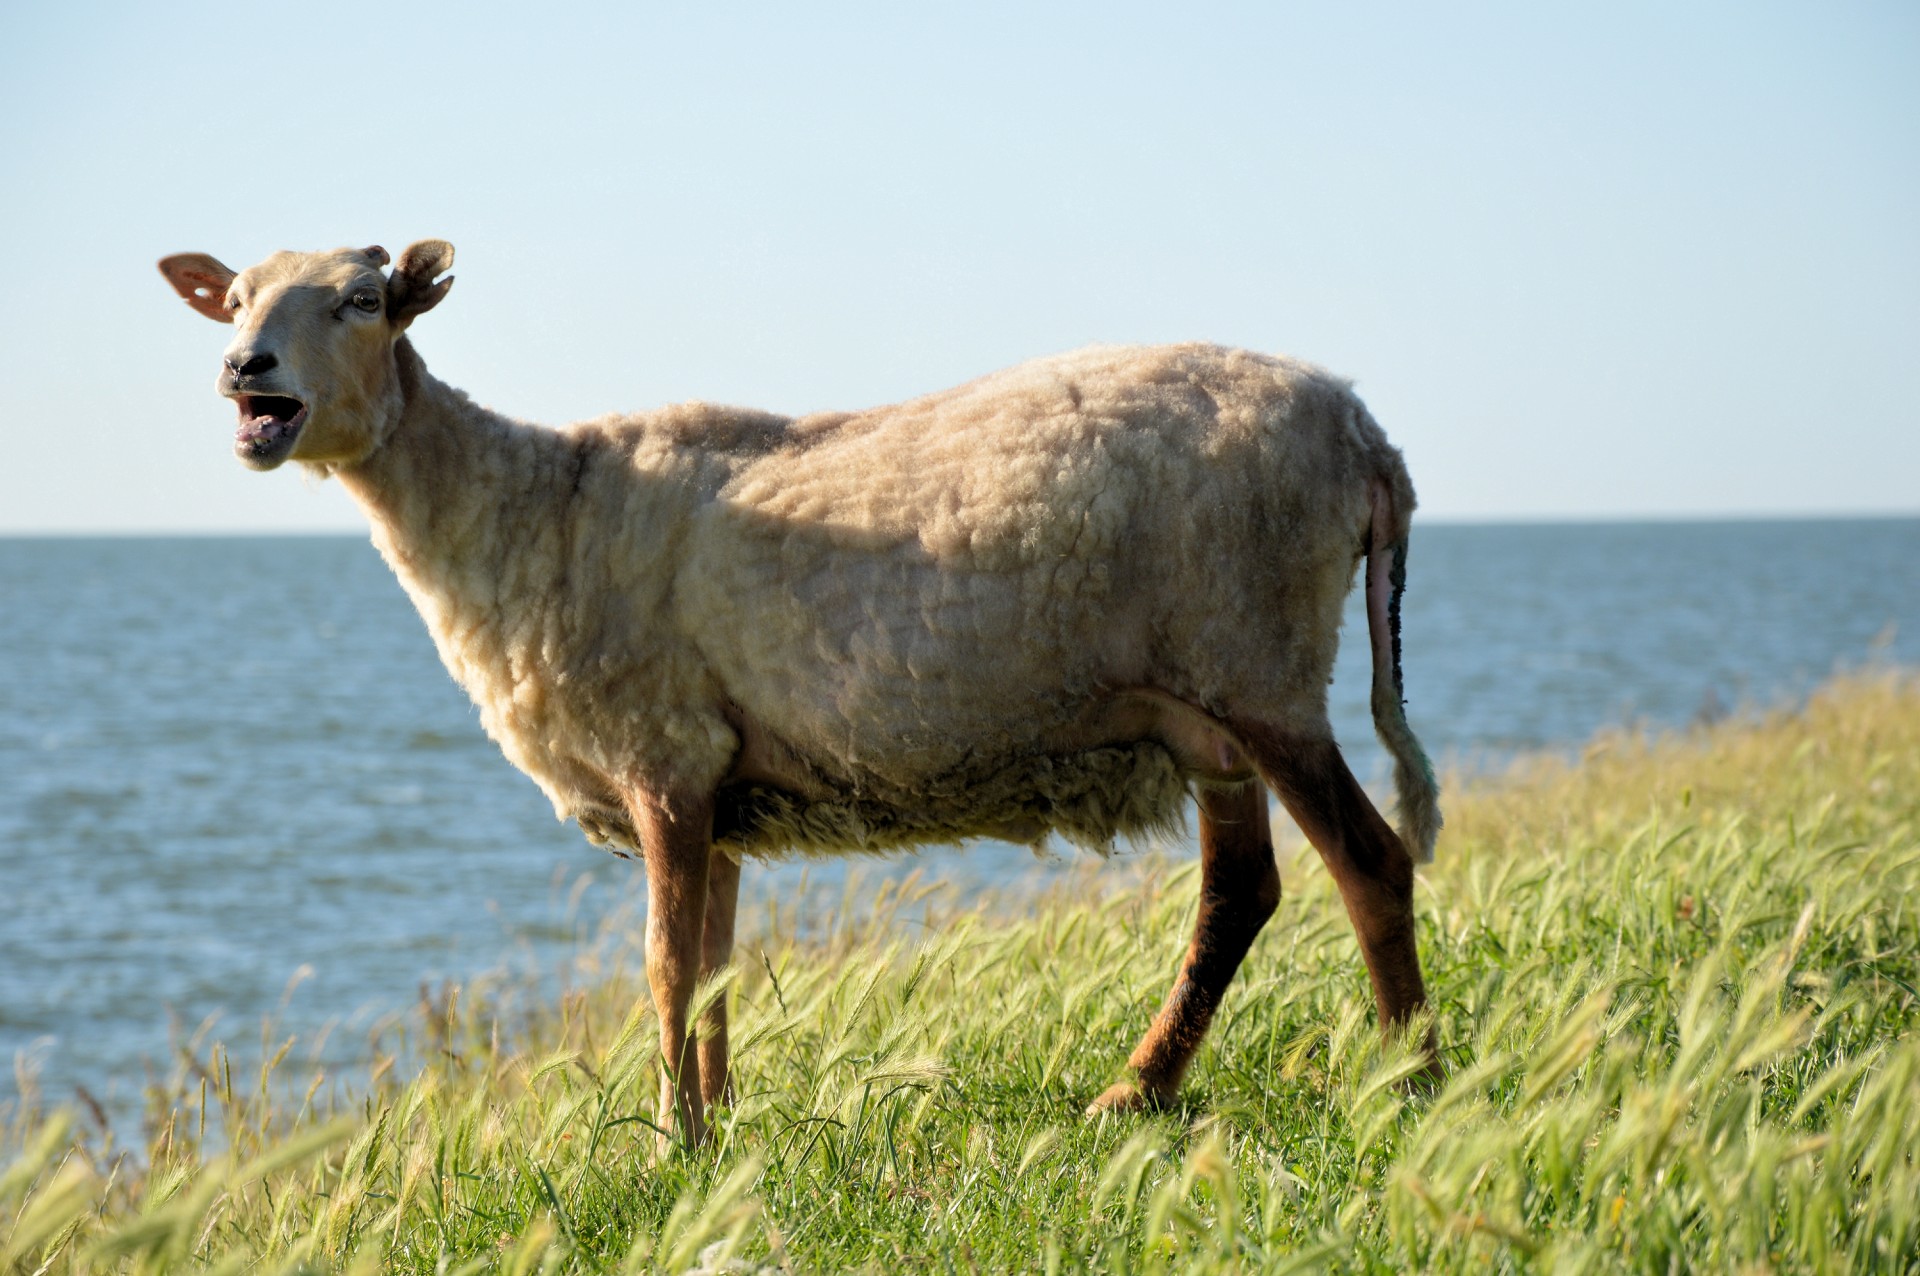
x,y
1364,855
1239,889
723,894
677,842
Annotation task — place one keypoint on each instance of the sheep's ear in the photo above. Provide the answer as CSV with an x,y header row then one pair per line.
x,y
411,290
201,282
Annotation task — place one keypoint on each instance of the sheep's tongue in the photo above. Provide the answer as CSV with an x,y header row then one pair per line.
x,y
259,432
266,438
269,424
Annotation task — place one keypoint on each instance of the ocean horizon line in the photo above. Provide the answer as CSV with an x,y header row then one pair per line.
x,y
1681,519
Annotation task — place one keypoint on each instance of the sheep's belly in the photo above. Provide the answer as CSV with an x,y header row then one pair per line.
x,y
1088,798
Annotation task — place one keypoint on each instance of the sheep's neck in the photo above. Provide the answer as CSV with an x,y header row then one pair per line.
x,y
440,493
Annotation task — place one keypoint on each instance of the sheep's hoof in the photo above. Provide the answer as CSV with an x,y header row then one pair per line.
x,y
1125,1098
1428,1079
680,1134
667,1147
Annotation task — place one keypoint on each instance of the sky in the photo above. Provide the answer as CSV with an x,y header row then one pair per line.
x,y
1582,261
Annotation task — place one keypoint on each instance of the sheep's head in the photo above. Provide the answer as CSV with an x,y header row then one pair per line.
x,y
311,364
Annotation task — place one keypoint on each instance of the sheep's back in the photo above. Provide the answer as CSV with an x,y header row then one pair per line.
x,y
906,593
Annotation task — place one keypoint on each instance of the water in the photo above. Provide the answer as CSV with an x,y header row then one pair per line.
x,y
227,765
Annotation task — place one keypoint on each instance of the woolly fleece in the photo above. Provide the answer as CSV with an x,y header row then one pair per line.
x,y
911,615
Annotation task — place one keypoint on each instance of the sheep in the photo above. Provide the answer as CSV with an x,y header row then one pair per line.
x,y
1064,598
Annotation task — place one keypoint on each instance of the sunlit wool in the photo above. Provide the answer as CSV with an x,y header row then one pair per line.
x,y
911,602
1044,602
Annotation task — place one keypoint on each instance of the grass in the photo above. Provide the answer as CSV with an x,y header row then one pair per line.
x,y
1675,982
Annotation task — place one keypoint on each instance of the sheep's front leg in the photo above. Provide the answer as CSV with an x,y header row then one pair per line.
x,y
1239,889
676,836
716,950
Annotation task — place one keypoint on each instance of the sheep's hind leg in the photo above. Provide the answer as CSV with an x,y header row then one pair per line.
x,y
716,949
677,843
1365,856
1239,889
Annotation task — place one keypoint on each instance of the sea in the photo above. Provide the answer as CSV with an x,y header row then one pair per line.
x,y
240,799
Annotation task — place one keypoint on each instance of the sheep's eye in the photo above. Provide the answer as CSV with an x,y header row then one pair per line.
x,y
367,299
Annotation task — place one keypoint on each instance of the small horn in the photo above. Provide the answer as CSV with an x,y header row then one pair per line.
x,y
377,254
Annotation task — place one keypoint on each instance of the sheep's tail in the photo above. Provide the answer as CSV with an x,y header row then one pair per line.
x,y
1414,785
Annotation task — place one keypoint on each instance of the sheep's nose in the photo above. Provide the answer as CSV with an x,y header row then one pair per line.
x,y
254,366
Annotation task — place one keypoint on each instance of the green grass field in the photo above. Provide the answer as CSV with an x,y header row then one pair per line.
x,y
1674,984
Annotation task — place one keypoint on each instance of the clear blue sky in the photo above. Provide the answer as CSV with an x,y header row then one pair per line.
x,y
1611,260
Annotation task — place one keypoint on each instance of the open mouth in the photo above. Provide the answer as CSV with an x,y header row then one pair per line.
x,y
269,423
